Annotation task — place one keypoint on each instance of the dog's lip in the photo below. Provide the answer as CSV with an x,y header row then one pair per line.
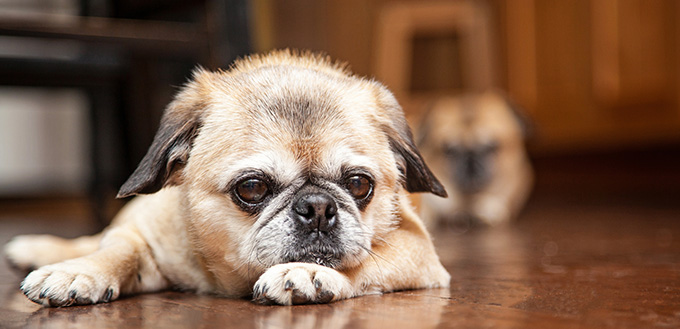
x,y
322,260
317,254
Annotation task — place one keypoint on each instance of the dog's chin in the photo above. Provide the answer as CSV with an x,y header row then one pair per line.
x,y
316,251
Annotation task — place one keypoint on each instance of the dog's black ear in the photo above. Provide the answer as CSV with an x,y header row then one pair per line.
x,y
417,176
169,151
424,125
525,123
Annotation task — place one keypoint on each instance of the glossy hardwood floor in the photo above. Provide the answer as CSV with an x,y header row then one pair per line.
x,y
589,251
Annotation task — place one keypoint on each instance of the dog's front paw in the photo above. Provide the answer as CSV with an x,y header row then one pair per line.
x,y
26,253
492,211
73,282
300,283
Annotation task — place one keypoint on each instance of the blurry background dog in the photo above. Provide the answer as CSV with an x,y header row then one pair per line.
x,y
475,144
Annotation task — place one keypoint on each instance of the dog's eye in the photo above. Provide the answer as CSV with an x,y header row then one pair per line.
x,y
252,190
453,151
359,186
490,148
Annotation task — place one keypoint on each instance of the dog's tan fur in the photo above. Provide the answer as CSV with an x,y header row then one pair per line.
x,y
472,121
188,233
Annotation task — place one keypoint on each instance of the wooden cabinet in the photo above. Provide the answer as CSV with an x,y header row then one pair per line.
x,y
591,73
594,74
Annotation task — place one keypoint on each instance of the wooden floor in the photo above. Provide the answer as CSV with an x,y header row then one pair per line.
x,y
590,251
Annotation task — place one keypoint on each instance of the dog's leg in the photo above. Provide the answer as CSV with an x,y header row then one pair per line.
x,y
122,265
406,259
506,200
29,252
492,210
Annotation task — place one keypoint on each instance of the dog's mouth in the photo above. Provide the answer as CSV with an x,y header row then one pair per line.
x,y
327,260
318,252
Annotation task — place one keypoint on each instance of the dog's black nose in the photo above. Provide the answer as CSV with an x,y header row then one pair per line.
x,y
473,171
316,211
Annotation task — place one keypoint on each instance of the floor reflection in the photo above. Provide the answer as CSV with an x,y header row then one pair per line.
x,y
418,309
488,266
335,317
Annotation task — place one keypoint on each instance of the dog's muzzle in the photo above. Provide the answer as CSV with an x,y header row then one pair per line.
x,y
315,213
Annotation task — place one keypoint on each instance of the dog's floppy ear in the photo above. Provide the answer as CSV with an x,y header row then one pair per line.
x,y
417,176
525,123
169,151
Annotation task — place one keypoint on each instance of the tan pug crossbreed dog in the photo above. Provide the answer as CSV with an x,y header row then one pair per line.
x,y
284,178
475,144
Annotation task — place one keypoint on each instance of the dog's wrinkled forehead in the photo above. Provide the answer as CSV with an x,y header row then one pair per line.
x,y
292,119
303,103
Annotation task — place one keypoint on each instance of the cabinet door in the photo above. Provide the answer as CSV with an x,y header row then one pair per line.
x,y
595,73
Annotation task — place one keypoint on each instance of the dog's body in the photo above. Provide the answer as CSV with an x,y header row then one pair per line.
x,y
284,177
475,144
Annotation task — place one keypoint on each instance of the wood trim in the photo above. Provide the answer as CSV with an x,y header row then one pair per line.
x,y
677,58
606,51
521,51
263,25
158,35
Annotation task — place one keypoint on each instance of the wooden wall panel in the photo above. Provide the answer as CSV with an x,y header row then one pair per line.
x,y
606,71
591,73
632,52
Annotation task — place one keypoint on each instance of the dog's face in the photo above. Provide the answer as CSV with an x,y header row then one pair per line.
x,y
474,143
284,159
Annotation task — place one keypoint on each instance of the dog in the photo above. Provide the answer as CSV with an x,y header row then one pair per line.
x,y
476,144
284,178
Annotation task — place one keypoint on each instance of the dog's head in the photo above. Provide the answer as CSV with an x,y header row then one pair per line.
x,y
468,138
285,158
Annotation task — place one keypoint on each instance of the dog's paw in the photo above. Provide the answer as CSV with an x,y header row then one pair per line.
x,y
492,211
73,282
300,283
28,252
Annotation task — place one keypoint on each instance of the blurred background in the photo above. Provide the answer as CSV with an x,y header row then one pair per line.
x,y
83,83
